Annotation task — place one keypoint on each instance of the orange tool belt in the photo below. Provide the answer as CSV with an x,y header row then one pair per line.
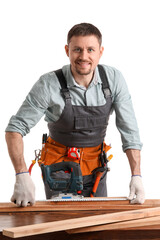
x,y
54,152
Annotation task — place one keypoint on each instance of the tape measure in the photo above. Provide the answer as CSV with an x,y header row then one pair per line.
x,y
74,153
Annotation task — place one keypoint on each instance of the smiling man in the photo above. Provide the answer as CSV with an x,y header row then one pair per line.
x,y
84,53
77,101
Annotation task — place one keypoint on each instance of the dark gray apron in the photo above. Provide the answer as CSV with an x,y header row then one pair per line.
x,y
82,126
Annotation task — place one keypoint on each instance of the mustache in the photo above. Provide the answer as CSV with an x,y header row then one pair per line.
x,y
82,61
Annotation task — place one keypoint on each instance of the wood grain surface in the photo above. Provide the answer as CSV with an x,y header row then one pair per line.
x,y
75,223
149,221
13,216
109,205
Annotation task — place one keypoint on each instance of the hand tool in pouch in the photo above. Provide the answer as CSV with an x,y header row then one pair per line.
x,y
100,171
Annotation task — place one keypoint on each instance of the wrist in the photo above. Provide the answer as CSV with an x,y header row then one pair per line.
x,y
21,168
21,173
136,172
136,175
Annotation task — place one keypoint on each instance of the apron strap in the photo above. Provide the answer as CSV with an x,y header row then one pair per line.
x,y
105,84
64,90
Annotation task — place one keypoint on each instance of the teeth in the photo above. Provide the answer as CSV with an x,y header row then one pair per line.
x,y
84,64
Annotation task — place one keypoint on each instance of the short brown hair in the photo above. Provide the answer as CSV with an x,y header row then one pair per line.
x,y
84,29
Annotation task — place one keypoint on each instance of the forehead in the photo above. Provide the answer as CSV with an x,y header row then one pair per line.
x,y
90,40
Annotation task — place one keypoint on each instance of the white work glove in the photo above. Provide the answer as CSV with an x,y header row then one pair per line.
x,y
24,190
136,189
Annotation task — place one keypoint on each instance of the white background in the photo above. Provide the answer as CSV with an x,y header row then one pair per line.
x,y
33,35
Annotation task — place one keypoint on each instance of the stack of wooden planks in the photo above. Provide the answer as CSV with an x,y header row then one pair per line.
x,y
124,217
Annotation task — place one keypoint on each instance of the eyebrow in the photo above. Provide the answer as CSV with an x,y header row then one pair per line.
x,y
81,48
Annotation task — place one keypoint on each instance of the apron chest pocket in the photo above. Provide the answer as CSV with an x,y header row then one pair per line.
x,y
90,122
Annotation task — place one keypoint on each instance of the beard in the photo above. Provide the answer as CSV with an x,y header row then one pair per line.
x,y
82,71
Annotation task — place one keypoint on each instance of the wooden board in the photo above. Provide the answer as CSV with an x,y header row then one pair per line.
x,y
79,222
108,205
149,221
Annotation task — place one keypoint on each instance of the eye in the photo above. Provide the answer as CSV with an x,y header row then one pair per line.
x,y
90,50
77,50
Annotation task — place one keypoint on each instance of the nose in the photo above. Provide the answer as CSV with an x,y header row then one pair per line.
x,y
84,55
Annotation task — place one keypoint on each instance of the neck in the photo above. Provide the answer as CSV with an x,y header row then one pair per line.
x,y
83,80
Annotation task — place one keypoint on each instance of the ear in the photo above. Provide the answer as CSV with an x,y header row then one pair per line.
x,y
67,50
101,51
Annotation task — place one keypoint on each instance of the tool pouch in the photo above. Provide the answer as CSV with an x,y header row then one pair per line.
x,y
90,158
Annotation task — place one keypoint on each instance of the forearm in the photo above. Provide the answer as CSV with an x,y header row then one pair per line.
x,y
134,159
15,148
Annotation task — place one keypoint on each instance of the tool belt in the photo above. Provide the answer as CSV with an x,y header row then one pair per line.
x,y
54,152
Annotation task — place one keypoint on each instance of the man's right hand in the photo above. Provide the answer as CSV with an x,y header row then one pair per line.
x,y
24,190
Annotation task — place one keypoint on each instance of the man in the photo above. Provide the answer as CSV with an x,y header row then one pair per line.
x,y
77,102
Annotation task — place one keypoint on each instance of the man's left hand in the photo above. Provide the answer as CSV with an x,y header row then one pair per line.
x,y
136,189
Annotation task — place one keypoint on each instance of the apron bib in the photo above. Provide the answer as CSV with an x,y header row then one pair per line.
x,y
83,127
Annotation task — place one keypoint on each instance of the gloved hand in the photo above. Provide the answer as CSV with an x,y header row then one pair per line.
x,y
136,189
24,190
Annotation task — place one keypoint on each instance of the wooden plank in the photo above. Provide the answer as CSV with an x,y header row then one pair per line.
x,y
149,221
111,206
79,222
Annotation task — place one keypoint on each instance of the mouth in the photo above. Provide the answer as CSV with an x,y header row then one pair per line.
x,y
83,64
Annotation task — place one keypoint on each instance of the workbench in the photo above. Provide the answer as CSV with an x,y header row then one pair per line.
x,y
41,212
